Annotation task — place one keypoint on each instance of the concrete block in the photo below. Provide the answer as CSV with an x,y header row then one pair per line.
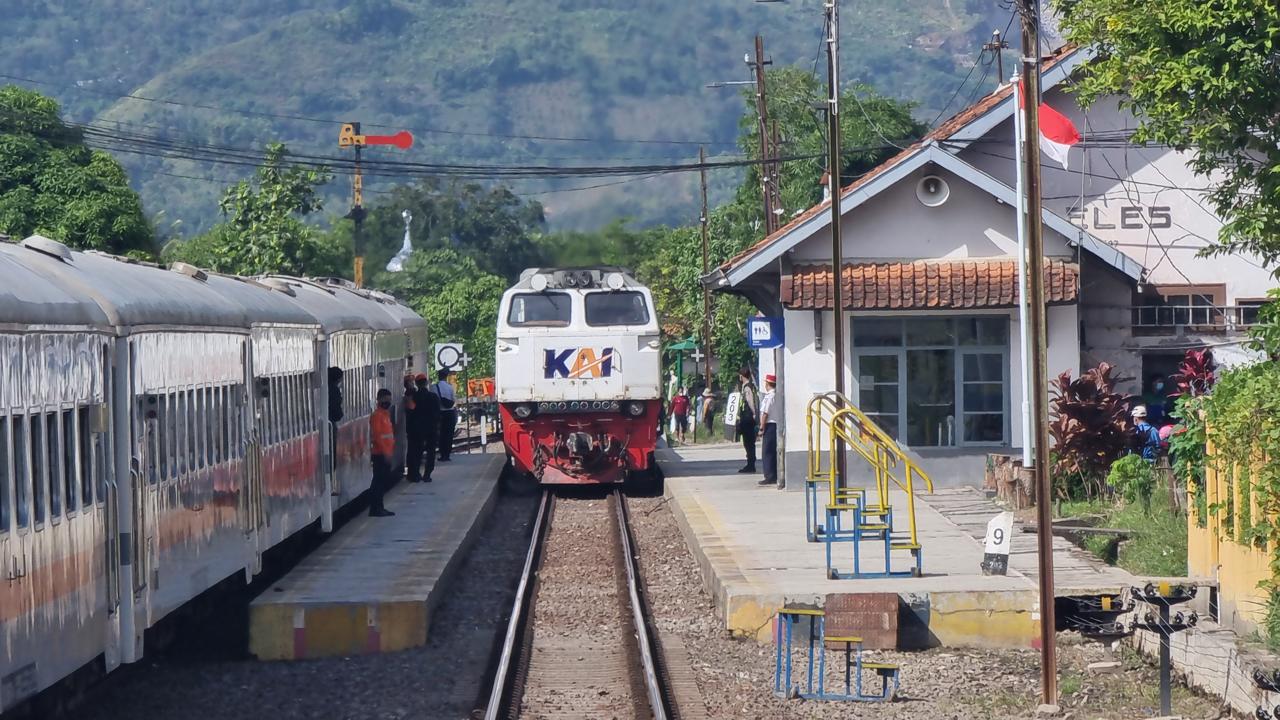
x,y
871,616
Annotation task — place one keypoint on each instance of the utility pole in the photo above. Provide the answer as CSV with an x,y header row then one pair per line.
x,y
1030,60
706,268
775,175
350,136
762,116
997,46
832,18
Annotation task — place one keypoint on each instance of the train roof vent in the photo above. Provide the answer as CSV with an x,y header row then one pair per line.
x,y
52,248
190,271
278,285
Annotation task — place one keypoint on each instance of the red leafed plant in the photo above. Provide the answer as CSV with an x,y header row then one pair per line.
x,y
1087,422
1195,374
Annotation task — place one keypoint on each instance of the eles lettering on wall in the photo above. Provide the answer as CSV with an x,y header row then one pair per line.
x,y
579,363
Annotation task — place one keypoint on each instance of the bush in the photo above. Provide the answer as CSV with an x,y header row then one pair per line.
x,y
1132,477
1087,422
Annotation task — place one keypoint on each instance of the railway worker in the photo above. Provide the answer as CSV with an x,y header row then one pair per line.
x,y
769,440
448,413
748,417
426,426
382,441
407,431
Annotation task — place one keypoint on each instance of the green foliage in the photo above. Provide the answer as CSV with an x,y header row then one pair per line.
x,y
458,299
52,184
869,128
1200,76
1266,334
1157,541
264,230
1132,477
492,226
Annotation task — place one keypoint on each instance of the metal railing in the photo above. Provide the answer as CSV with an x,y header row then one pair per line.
x,y
843,421
1213,317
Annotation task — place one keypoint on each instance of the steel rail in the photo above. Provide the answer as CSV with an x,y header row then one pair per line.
x,y
648,664
524,597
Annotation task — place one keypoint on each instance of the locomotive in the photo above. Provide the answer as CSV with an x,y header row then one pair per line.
x,y
160,431
578,376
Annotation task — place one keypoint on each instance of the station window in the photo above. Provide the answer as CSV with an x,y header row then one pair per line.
x,y
21,471
540,310
6,476
69,467
616,308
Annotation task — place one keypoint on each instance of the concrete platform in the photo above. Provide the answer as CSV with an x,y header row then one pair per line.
x,y
750,544
372,587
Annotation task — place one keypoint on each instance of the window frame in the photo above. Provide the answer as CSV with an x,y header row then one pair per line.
x,y
511,309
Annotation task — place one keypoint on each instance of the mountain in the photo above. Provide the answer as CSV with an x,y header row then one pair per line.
x,y
476,80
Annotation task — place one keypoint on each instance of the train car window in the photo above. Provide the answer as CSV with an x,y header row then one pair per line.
x,y
162,443
6,475
193,431
39,497
100,465
21,471
70,469
290,405
85,448
218,425
202,426
616,308
181,438
540,310
53,464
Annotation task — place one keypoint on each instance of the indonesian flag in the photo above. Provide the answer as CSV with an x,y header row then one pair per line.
x,y
1057,134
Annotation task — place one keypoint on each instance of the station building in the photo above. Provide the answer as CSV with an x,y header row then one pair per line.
x,y
930,286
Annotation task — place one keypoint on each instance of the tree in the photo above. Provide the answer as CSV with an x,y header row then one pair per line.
x,y
490,225
457,298
1203,77
263,231
51,183
871,128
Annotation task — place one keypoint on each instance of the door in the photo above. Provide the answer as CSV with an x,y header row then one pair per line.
x,y
930,397
880,387
146,469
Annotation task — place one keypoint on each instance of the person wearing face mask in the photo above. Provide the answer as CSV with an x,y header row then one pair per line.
x,y
1156,400
382,449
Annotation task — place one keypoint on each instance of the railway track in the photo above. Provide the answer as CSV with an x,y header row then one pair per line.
x,y
578,643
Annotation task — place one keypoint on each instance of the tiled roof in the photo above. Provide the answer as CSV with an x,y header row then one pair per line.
x,y
924,285
942,132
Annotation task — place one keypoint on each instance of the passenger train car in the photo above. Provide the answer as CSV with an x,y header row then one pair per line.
x,y
578,375
160,430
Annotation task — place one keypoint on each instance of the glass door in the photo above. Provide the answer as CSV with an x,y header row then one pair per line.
x,y
983,381
931,397
879,388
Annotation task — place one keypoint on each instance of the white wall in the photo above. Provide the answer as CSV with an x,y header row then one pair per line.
x,y
894,225
1152,178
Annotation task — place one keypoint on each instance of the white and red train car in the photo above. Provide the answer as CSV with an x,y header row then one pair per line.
x,y
162,429
578,375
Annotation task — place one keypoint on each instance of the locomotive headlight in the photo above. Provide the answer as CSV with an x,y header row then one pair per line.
x,y
524,411
615,281
635,409
538,283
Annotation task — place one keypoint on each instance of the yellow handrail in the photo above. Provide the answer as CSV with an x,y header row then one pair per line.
x,y
860,433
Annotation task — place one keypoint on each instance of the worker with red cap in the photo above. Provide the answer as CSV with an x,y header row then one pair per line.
x,y
769,441
422,441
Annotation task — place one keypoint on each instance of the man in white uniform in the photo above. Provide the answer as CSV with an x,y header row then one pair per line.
x,y
448,413
769,443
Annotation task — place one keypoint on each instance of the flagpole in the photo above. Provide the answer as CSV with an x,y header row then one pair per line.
x,y
1019,147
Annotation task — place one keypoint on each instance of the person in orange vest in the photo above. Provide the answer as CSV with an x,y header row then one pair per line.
x,y
382,441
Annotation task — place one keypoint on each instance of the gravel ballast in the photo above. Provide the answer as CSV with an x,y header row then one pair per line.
x,y
735,676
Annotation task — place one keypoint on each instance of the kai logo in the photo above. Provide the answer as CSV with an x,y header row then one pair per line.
x,y
576,363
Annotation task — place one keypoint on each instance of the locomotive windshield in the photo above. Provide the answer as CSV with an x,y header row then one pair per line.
x,y
616,308
540,309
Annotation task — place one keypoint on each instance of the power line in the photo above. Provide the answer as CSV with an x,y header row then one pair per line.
x,y
329,121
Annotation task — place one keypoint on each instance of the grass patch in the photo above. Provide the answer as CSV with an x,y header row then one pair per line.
x,y
1157,545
